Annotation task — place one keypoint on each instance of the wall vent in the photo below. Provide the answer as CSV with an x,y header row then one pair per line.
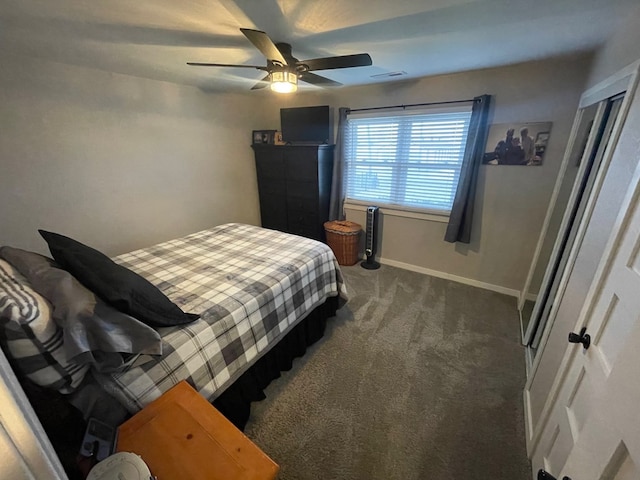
x,y
399,73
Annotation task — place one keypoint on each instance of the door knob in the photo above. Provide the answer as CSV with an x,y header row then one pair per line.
x,y
583,337
543,475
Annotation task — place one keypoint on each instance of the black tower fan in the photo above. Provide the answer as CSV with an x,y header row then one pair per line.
x,y
371,239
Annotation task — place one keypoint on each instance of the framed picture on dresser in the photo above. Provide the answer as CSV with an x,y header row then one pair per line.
x,y
263,137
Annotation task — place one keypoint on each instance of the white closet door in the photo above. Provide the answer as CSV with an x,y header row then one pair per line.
x,y
602,405
593,430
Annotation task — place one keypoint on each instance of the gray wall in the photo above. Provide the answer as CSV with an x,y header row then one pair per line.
x,y
511,201
116,161
621,50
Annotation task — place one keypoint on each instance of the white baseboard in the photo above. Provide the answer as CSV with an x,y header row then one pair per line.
x,y
454,278
531,296
528,427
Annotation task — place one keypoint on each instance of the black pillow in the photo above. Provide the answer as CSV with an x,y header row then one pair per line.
x,y
92,331
125,290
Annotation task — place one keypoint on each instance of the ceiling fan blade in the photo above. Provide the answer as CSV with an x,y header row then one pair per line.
x,y
345,61
261,84
198,64
314,79
263,43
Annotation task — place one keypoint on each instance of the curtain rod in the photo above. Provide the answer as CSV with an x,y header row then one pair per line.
x,y
411,105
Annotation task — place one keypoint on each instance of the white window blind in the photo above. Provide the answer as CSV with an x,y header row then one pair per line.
x,y
406,160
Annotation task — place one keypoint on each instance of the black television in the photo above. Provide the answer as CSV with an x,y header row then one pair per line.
x,y
306,124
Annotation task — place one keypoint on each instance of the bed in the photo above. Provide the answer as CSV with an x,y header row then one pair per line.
x,y
263,296
251,287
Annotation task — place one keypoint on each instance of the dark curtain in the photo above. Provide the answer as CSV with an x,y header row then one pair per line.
x,y
337,184
461,217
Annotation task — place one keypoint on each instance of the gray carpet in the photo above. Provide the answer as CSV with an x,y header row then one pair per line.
x,y
416,378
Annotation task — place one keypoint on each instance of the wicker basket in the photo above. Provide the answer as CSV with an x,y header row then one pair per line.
x,y
343,237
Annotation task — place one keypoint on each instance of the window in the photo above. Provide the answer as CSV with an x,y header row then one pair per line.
x,y
409,160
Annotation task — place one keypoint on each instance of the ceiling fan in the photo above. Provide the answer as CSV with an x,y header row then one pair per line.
x,y
284,70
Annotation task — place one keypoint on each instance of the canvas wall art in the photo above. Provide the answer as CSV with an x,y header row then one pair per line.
x,y
522,144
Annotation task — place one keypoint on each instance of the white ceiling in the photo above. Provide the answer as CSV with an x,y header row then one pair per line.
x,y
154,38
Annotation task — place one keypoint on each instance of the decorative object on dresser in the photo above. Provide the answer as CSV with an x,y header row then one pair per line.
x,y
263,137
294,183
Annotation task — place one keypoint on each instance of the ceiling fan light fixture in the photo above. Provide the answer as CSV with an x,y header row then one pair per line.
x,y
283,69
283,81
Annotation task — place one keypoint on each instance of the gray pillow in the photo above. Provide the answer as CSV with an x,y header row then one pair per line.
x,y
93,331
31,338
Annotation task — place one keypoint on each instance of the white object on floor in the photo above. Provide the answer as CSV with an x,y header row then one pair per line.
x,y
120,466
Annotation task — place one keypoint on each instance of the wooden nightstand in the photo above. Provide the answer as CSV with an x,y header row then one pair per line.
x,y
182,436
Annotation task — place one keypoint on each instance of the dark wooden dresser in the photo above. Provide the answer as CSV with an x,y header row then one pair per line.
x,y
294,182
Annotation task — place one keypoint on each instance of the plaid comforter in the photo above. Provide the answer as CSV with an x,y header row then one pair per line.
x,y
250,285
